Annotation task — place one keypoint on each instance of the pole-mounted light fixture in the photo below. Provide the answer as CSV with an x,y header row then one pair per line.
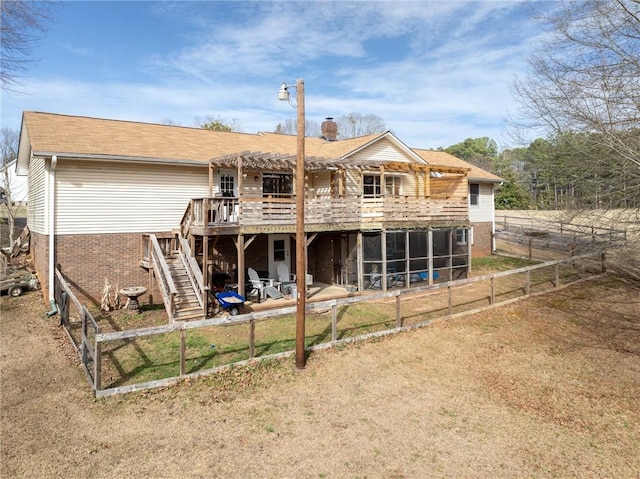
x,y
283,94
301,240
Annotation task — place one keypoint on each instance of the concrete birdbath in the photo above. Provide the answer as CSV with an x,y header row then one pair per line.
x,y
133,293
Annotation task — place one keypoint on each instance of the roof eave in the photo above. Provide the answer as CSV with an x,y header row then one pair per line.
x,y
121,158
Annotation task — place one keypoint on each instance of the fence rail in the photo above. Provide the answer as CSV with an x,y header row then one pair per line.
x,y
502,288
86,344
538,239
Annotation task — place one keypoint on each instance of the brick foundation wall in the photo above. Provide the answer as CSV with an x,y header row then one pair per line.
x,y
86,260
482,240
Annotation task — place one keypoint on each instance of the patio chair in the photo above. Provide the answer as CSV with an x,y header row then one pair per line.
x,y
258,284
284,277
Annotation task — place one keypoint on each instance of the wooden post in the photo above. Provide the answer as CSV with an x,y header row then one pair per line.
x,y
240,248
360,263
527,282
492,297
557,281
603,261
252,338
450,291
183,351
301,241
97,361
430,240
150,296
383,246
334,322
530,249
205,274
398,313
427,182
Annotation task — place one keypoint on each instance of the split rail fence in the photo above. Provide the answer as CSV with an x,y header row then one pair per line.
x,y
135,359
538,239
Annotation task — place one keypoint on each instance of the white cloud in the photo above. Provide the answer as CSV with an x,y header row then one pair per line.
x,y
436,72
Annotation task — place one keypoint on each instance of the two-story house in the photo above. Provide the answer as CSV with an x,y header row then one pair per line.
x,y
104,194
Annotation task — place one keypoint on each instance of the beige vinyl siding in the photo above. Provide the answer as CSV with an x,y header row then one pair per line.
x,y
407,184
482,212
38,194
103,197
382,150
353,183
320,183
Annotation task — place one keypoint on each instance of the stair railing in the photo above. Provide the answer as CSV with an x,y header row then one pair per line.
x,y
161,271
193,272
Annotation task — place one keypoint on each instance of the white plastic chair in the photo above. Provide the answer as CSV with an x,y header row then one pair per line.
x,y
284,277
258,284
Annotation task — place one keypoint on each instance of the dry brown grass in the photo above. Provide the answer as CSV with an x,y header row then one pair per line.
x,y
547,387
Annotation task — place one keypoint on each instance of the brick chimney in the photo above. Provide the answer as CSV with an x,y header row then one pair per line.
x,y
329,129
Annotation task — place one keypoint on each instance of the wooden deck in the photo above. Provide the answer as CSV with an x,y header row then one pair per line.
x,y
206,216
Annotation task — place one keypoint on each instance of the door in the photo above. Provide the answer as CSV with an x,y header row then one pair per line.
x,y
279,252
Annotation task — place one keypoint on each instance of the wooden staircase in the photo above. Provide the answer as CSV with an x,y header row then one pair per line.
x,y
186,301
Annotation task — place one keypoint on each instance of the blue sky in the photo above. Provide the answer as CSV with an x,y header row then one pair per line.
x,y
436,72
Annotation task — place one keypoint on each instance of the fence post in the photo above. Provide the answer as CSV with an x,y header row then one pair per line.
x,y
334,321
492,298
527,282
97,362
450,290
183,351
557,282
603,261
530,249
252,338
84,339
398,313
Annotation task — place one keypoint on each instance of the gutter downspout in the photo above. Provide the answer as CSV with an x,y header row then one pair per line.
x,y
52,239
493,219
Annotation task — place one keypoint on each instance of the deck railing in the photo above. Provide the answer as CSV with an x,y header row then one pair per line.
x,y
321,210
194,274
163,276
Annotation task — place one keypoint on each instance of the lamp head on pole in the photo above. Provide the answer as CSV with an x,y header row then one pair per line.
x,y
283,94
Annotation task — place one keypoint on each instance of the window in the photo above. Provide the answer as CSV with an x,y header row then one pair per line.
x,y
474,194
464,236
392,185
371,186
278,250
227,185
277,185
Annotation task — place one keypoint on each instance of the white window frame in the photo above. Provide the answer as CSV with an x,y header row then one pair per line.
x,y
473,196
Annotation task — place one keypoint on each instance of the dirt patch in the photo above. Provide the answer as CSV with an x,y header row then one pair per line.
x,y
547,387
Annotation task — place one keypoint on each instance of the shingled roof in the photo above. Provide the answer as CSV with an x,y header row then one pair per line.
x,y
76,136
445,159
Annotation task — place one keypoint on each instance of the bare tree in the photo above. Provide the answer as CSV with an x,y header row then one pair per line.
x,y
22,24
358,124
290,127
584,86
584,90
9,152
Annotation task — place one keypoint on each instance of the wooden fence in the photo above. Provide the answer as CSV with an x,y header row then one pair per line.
x,y
327,325
82,330
537,239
